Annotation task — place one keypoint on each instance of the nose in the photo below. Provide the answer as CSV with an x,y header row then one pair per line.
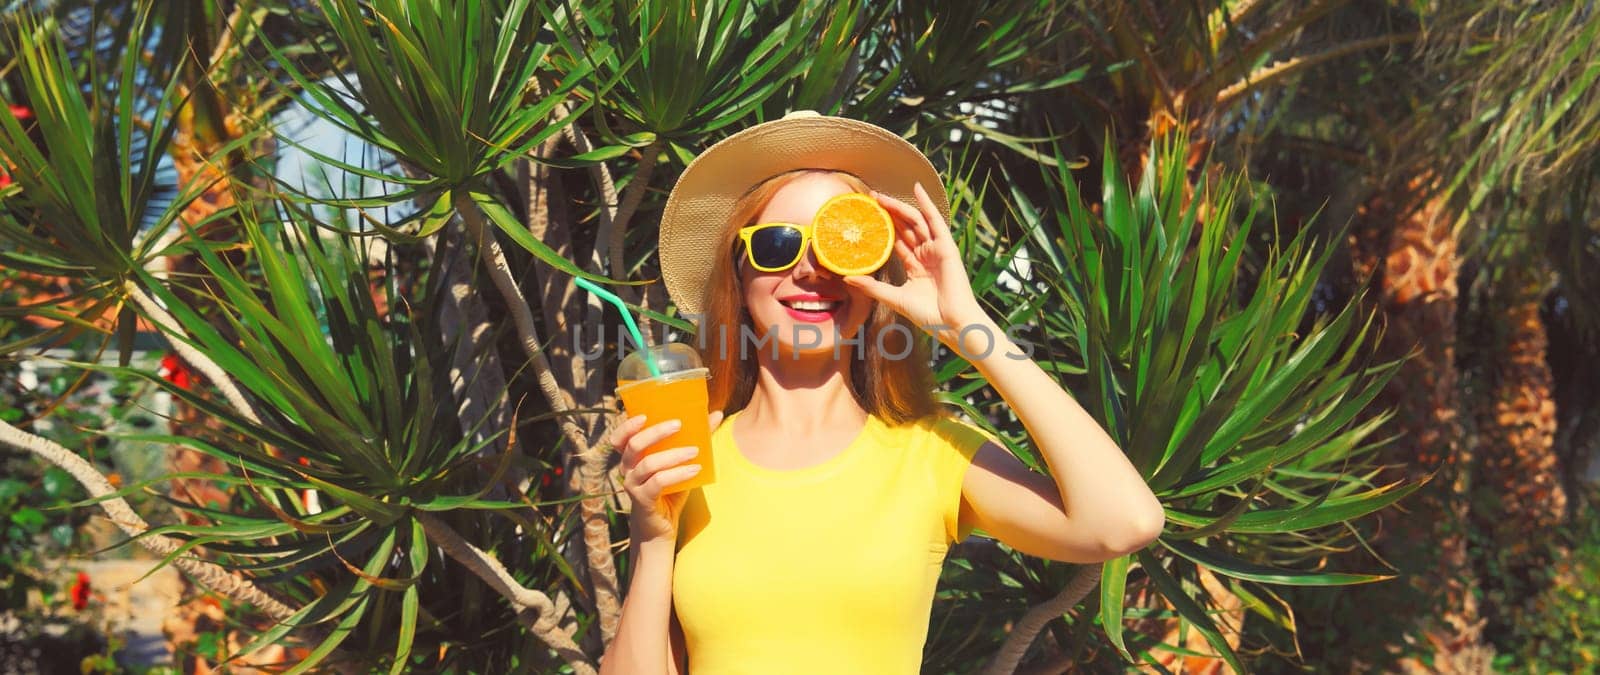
x,y
808,267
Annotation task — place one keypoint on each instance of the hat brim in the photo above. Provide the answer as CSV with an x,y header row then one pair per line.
x,y
698,208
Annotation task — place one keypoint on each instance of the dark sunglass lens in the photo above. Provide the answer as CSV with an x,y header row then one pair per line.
x,y
775,246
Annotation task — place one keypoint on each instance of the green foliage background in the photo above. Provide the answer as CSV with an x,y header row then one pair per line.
x,y
1166,199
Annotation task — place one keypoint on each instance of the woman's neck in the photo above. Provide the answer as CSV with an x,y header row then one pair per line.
x,y
792,394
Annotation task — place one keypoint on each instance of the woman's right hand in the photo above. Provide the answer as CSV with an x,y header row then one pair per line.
x,y
655,515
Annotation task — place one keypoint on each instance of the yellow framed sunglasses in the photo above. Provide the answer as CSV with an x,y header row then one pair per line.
x,y
775,247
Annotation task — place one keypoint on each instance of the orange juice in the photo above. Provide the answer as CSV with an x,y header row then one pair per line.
x,y
674,396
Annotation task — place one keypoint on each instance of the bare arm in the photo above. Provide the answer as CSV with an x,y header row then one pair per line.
x,y
1094,506
643,643
648,639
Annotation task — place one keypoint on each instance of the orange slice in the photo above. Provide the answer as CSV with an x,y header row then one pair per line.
x,y
853,234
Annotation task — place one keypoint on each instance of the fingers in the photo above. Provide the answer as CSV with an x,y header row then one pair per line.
x,y
877,290
659,471
908,256
906,235
622,432
930,213
915,225
635,445
666,459
652,488
715,419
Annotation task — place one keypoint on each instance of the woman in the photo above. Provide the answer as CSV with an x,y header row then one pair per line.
x,y
838,485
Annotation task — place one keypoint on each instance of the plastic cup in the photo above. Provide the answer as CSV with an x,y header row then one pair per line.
x,y
679,393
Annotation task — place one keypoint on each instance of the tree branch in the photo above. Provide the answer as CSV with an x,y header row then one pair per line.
x,y
631,197
1022,636
1264,41
209,574
1225,17
170,328
476,378
598,172
565,311
611,244
494,261
545,622
233,27
1277,70
597,536
159,267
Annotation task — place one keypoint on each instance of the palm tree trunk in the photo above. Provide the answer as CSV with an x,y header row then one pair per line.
x,y
1518,462
1406,243
1519,499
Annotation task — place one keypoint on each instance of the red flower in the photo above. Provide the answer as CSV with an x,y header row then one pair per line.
x,y
20,112
175,371
80,591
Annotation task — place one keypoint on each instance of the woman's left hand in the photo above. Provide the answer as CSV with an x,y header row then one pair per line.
x,y
936,290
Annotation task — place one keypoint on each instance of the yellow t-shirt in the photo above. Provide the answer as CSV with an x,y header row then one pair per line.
x,y
829,568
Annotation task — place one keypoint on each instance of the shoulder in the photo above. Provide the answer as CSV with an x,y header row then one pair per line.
x,y
952,427
946,430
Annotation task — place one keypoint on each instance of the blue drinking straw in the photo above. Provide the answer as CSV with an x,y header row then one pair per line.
x,y
633,329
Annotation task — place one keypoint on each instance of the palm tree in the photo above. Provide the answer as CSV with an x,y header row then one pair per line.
x,y
1462,224
1360,139
1527,113
1534,151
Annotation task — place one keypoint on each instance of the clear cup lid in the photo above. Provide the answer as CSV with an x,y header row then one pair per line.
x,y
672,357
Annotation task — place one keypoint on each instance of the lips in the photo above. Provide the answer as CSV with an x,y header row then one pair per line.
x,y
811,307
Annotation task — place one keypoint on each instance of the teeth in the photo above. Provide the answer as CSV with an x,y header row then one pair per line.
x,y
813,305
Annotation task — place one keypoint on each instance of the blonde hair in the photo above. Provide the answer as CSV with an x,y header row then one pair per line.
x,y
897,390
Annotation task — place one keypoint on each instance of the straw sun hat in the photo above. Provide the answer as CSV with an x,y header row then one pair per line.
x,y
703,198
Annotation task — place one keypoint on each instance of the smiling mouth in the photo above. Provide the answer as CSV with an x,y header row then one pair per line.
x,y
811,305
